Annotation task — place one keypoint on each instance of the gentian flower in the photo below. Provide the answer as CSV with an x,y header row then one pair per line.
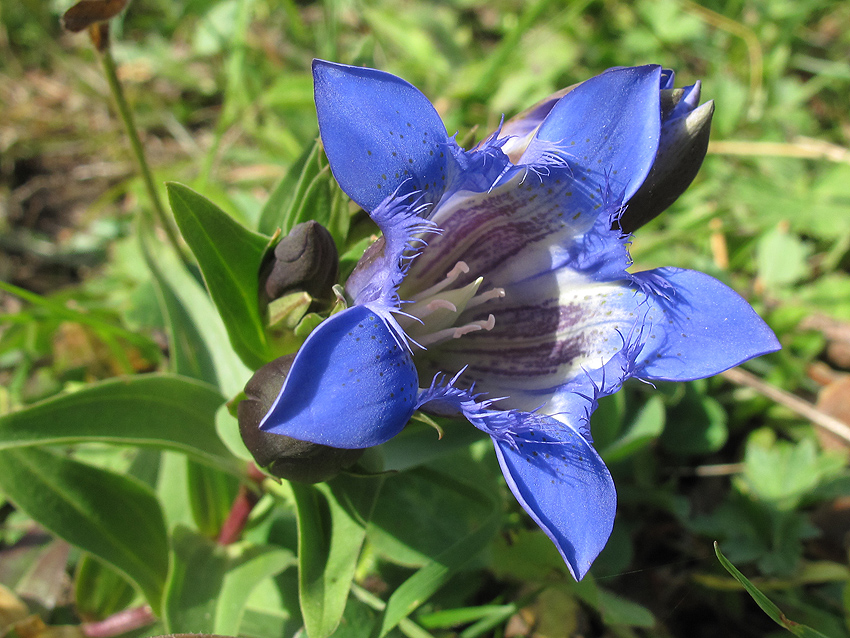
x,y
500,289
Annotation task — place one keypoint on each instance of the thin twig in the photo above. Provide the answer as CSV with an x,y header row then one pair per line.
x,y
126,115
719,469
802,148
790,401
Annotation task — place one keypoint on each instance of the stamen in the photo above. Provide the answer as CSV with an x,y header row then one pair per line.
x,y
435,305
457,332
477,300
460,268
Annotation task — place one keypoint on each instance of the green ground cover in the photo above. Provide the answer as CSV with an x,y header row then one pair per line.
x,y
120,464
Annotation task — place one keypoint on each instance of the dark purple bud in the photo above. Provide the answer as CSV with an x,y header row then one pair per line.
x,y
283,456
304,260
681,150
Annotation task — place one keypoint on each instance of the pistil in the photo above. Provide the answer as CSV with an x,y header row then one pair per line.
x,y
431,316
460,268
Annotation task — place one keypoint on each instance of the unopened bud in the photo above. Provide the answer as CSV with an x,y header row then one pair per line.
x,y
681,150
283,456
305,260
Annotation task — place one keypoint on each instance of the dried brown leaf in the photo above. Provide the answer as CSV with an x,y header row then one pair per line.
x,y
88,12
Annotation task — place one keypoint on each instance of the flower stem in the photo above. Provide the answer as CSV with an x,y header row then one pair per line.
x,y
238,516
244,502
120,623
126,116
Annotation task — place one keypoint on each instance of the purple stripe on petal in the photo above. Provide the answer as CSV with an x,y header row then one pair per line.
x,y
540,346
490,230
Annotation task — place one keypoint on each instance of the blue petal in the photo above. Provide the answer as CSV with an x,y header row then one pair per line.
x,y
379,132
697,327
687,103
379,272
606,129
563,484
549,465
352,384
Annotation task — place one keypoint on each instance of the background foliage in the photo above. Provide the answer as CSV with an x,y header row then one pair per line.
x,y
120,464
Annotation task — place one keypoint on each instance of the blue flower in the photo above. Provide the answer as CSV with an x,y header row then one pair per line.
x,y
500,291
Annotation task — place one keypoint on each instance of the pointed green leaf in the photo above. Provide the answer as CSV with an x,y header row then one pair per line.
x,y
188,353
194,326
765,603
645,427
426,581
209,584
332,521
99,590
163,411
315,203
211,495
230,257
110,516
277,211
194,582
248,565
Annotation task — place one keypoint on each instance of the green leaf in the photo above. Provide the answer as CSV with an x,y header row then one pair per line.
x,y
608,420
765,603
248,566
418,500
277,211
416,445
646,427
172,489
617,610
782,258
211,495
257,623
188,353
194,327
331,527
316,202
99,590
526,555
209,584
697,425
307,191
230,257
110,516
783,473
163,411
436,573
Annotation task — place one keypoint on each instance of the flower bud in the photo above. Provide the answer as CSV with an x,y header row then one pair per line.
x,y
681,150
283,456
304,260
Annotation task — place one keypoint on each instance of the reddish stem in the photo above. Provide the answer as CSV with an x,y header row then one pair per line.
x,y
244,502
120,623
